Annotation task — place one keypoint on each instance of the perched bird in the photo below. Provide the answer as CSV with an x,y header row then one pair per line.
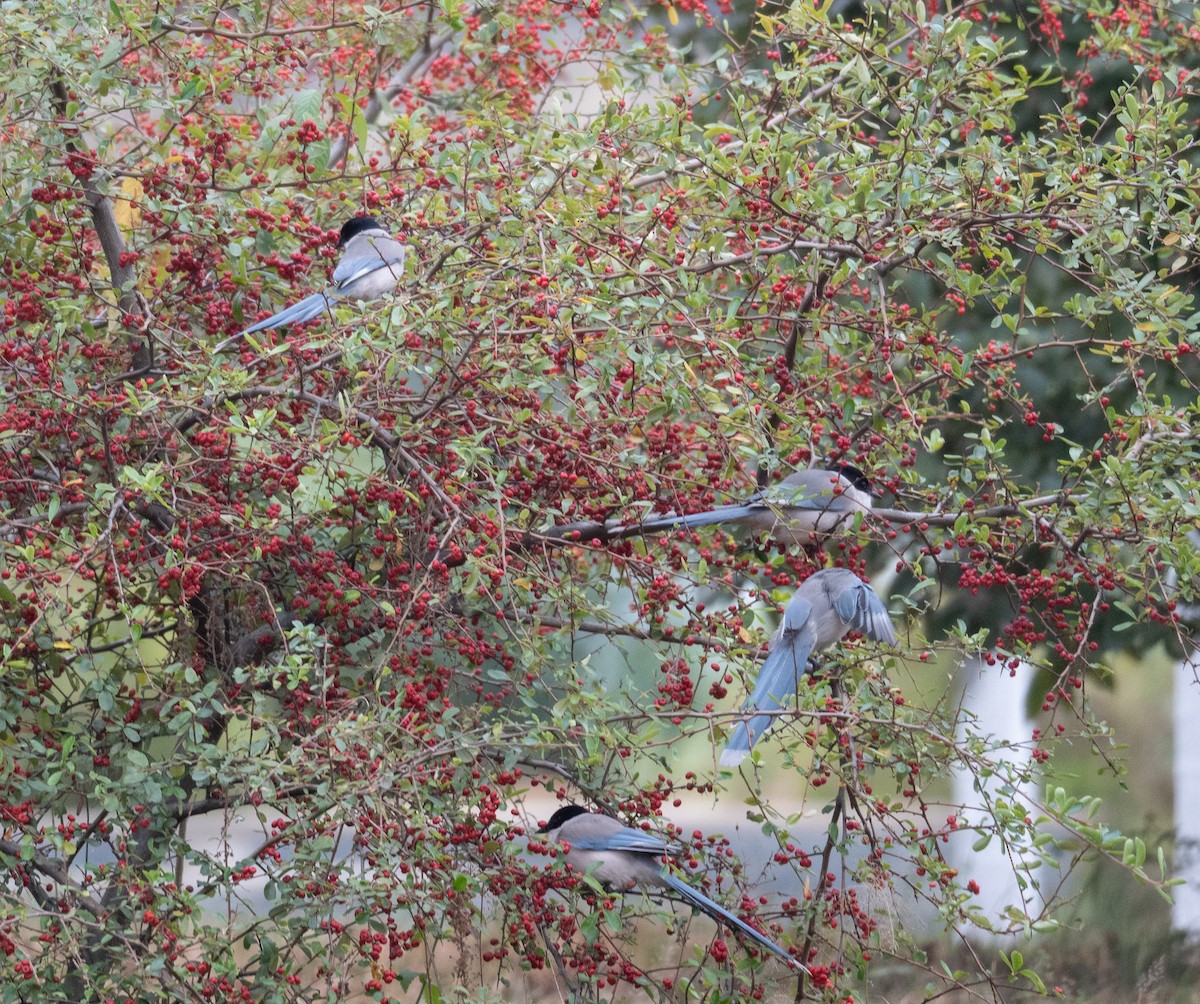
x,y
805,504
827,606
802,504
621,857
372,265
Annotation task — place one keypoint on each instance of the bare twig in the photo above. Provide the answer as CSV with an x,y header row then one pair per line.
x,y
381,99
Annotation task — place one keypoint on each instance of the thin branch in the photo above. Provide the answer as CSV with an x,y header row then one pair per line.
x,y
182,810
250,36
107,229
944,519
37,519
622,631
380,100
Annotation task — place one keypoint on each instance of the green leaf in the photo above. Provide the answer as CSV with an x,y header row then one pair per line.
x,y
306,107
358,127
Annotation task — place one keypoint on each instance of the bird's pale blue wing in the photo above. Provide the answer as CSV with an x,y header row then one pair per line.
x,y
805,501
368,258
825,503
860,608
347,268
624,839
795,616
629,839
723,916
357,271
808,490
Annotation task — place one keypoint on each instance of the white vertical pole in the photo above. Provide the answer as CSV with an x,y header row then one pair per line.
x,y
1185,712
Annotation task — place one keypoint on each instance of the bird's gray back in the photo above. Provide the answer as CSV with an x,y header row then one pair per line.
x,y
822,591
842,602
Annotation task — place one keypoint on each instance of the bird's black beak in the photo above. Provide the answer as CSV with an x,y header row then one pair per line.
x,y
544,828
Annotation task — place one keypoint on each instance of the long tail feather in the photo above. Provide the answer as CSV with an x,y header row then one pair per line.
x,y
719,913
297,313
779,677
724,514
746,732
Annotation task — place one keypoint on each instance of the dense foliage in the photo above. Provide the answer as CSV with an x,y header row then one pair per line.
x,y
307,582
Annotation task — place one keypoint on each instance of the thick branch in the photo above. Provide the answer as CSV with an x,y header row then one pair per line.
x,y
56,872
944,519
107,230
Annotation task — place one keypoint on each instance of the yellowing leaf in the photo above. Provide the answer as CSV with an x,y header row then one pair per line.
x,y
159,260
672,15
127,209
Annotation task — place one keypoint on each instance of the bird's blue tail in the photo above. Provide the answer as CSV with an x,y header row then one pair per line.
x,y
720,914
707,518
779,677
297,313
747,730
